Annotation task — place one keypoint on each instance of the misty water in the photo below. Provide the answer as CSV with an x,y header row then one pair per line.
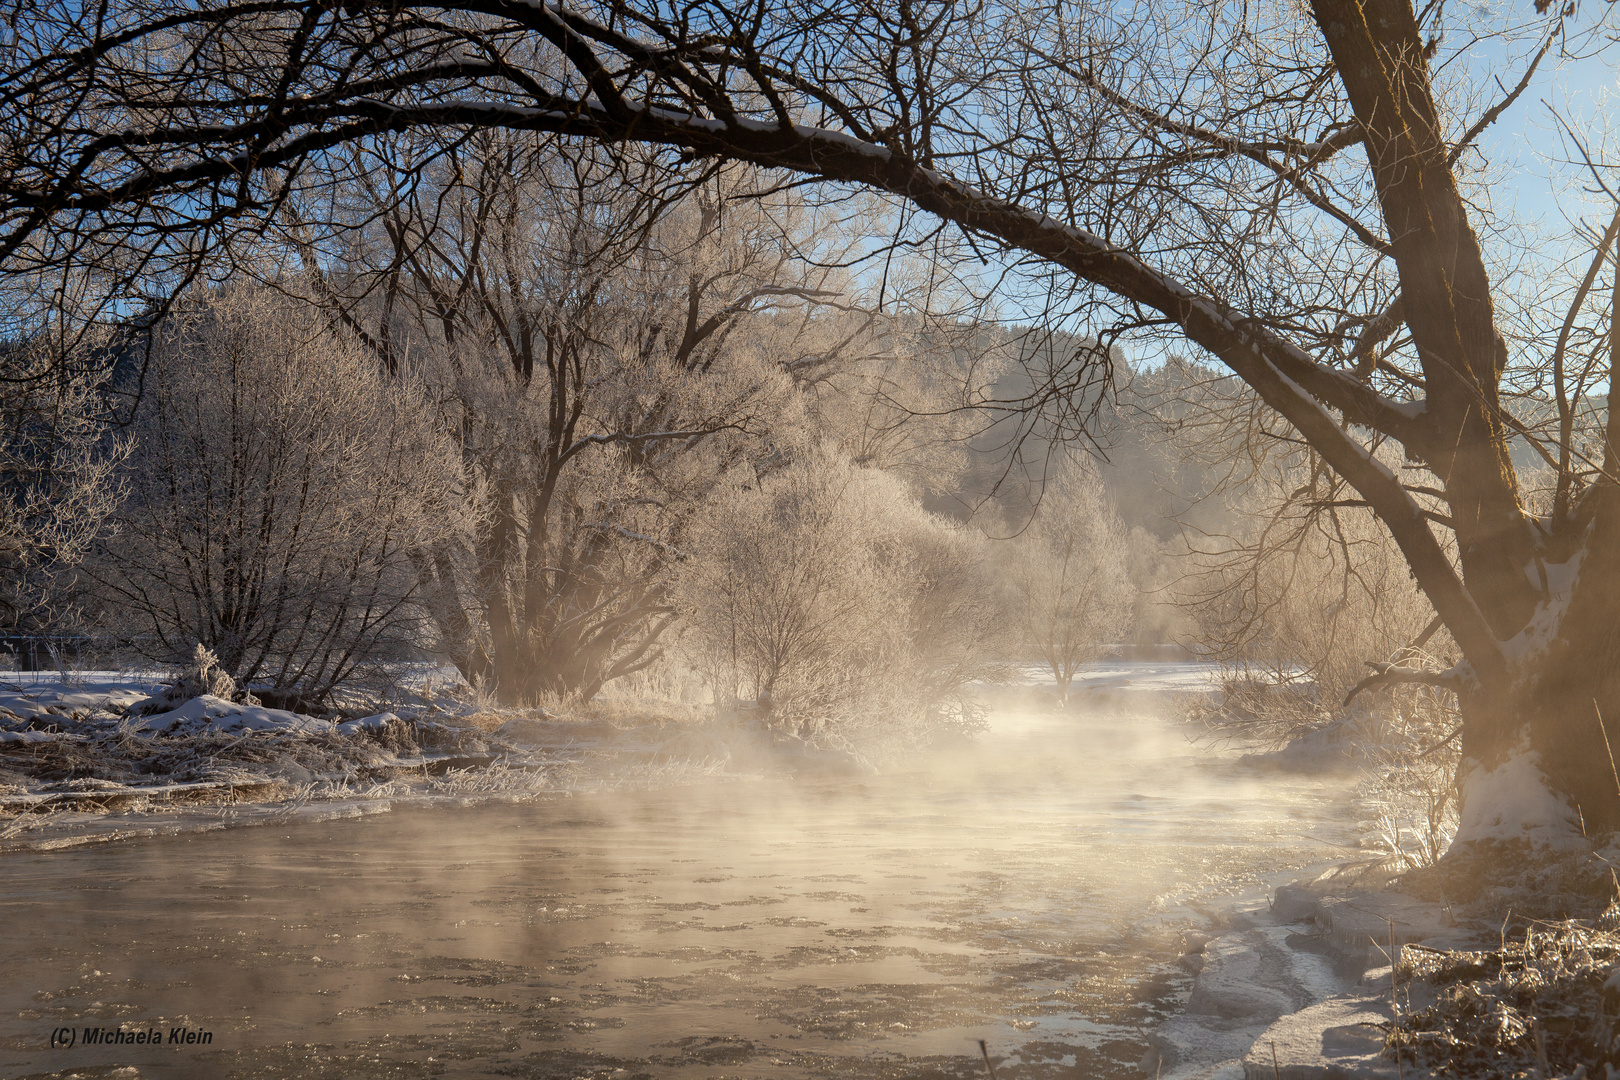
x,y
1029,890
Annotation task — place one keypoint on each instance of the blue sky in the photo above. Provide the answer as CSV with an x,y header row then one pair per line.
x,y
1528,147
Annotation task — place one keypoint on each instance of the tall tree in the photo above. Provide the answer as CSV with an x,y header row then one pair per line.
x,y
604,339
1283,187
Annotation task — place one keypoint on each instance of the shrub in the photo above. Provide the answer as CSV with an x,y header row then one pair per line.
x,y
280,487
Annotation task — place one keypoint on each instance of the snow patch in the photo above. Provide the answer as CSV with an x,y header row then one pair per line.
x,y
1512,802
376,722
1412,410
209,713
1543,626
61,703
29,736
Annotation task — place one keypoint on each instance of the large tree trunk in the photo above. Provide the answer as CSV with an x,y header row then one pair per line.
x,y
1568,705
1532,695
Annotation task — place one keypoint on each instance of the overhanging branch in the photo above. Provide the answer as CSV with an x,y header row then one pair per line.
x,y
1394,675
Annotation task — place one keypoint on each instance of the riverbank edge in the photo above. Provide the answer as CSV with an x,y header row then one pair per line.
x,y
1333,1036
144,823
521,761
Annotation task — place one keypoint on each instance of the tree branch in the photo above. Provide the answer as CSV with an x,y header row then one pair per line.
x,y
1393,675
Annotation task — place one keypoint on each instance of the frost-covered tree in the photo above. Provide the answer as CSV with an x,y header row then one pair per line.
x,y
791,591
907,402
280,487
603,338
57,486
1072,574
824,592
959,628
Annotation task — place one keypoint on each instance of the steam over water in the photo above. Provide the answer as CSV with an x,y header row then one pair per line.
x,y
1028,891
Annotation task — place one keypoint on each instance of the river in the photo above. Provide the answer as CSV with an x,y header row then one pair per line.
x,y
1029,890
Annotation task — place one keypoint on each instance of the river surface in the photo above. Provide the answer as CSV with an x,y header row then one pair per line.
x,y
1028,890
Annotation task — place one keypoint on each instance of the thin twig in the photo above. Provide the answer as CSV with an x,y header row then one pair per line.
x,y
1603,728
1394,997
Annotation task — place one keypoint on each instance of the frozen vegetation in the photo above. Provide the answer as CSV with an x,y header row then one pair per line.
x,y
104,756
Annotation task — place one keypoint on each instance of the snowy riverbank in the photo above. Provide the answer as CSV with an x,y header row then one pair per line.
x,y
90,761
1507,983
1297,985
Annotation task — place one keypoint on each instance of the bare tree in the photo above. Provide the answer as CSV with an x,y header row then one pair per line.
x,y
1072,574
280,487
910,401
1287,189
1301,594
604,338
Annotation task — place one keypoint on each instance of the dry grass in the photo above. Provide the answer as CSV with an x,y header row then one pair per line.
x,y
636,712
486,721
1544,1004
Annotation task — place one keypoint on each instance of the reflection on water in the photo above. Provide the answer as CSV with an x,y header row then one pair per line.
x,y
1027,891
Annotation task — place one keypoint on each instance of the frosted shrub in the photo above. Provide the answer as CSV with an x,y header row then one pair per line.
x,y
57,482
202,675
1072,574
280,489
1409,786
827,596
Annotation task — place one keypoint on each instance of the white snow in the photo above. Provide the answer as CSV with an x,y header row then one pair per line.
x,y
1512,802
1172,676
1412,410
1561,576
64,702
1543,626
32,736
1165,676
366,723
209,713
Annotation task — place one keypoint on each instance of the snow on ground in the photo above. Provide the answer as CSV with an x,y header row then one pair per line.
x,y
209,713
30,736
374,722
1113,676
89,747
1173,676
95,692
